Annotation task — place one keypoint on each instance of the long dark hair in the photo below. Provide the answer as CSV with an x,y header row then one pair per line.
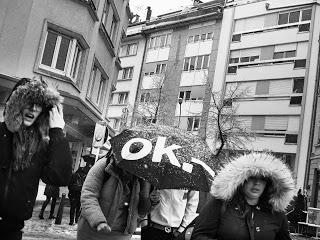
x,y
27,141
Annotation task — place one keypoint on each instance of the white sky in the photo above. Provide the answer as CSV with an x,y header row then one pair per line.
x,y
158,7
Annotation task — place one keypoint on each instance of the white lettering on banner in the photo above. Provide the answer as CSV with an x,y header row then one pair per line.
x,y
146,149
205,166
159,150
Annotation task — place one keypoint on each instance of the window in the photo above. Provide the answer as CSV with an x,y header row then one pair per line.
x,y
145,97
232,69
294,16
278,55
233,60
298,85
160,41
127,73
306,15
201,37
196,63
185,95
244,59
116,123
193,123
300,63
105,14
286,54
227,102
236,38
192,63
209,35
128,50
161,68
109,21
97,85
114,28
295,100
62,55
304,27
291,138
283,18
122,97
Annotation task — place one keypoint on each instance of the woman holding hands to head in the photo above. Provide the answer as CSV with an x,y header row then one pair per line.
x,y
33,147
250,195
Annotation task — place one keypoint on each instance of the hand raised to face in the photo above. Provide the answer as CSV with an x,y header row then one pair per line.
x,y
56,117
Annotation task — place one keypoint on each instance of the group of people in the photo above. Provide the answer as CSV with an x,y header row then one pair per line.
x,y
248,199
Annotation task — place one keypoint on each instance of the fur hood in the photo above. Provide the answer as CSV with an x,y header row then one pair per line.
x,y
26,92
236,172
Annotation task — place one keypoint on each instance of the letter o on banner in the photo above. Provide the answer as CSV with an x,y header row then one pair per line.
x,y
126,154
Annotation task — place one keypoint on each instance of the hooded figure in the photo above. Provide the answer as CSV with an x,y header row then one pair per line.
x,y
33,147
250,195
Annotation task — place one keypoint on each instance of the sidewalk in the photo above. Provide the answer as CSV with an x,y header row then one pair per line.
x,y
46,229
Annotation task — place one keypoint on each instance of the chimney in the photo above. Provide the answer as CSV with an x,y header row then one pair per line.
x,y
149,11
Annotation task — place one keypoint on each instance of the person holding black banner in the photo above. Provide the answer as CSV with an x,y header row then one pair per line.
x,y
112,199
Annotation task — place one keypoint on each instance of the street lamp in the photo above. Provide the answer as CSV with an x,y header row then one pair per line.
x,y
180,102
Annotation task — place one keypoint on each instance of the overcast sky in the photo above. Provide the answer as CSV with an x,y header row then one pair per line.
x,y
158,7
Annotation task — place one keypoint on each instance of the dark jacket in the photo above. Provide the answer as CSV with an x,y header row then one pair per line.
x,y
231,220
258,224
53,167
51,191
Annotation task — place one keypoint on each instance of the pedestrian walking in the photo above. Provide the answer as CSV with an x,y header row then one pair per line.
x,y
250,195
75,187
172,212
33,147
111,200
52,193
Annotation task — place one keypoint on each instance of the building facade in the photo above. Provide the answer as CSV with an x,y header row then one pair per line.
x,y
72,45
270,49
123,99
179,61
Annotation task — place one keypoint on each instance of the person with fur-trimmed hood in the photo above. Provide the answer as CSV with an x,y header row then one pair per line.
x,y
33,147
250,195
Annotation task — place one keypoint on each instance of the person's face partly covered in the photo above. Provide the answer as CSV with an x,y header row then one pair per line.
x,y
254,187
30,113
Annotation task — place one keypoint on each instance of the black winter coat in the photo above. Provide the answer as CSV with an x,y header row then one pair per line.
x,y
228,224
18,189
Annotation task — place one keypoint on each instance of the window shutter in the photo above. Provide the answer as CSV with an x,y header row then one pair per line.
x,y
276,123
279,87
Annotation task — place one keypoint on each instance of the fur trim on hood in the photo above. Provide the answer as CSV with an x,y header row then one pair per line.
x,y
236,172
26,92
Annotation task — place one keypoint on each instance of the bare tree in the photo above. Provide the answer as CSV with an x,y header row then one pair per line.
x,y
224,125
153,104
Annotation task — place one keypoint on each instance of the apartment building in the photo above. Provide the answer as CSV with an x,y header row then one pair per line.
x,y
122,100
179,60
73,45
270,48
